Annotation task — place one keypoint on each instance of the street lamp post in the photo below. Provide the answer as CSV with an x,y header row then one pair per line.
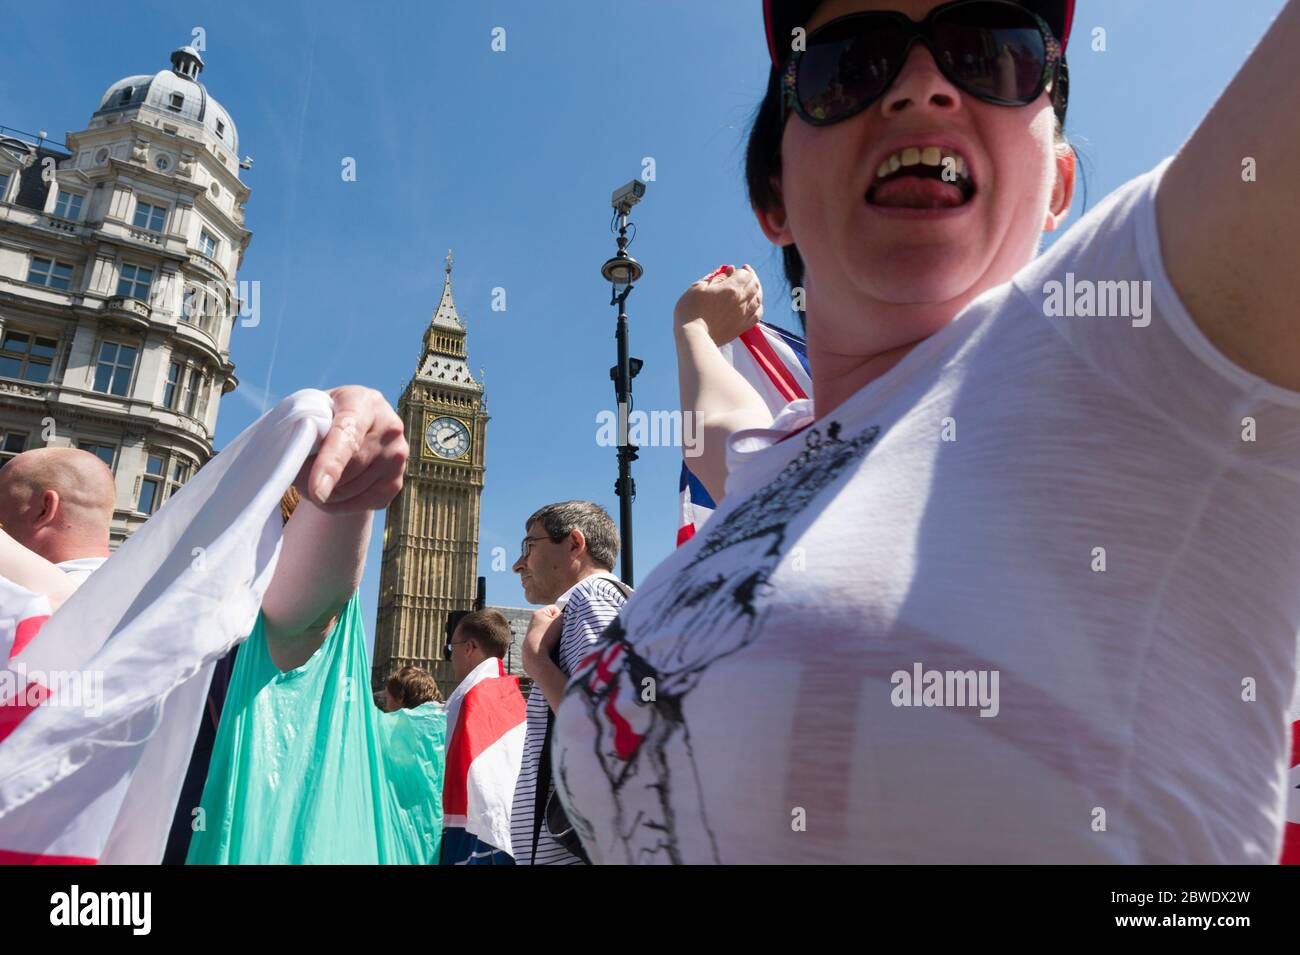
x,y
622,273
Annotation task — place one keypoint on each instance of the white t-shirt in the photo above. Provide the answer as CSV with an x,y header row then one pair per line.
x,y
1101,514
79,568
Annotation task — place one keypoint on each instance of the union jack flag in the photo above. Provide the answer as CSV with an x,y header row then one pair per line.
x,y
775,362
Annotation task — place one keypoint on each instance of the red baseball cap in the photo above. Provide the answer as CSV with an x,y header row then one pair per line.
x,y
782,16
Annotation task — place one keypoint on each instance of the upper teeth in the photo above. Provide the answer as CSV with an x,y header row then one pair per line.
x,y
926,156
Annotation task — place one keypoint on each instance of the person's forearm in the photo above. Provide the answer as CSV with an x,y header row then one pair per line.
x,y
718,397
321,562
552,681
33,572
710,387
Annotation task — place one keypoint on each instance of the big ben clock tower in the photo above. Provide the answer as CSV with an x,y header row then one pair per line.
x,y
431,534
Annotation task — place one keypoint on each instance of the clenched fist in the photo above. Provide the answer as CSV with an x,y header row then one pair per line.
x,y
360,464
728,302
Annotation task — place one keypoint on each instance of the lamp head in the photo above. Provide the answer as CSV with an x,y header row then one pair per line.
x,y
621,271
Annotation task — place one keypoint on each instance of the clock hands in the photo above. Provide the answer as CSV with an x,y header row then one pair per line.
x,y
447,437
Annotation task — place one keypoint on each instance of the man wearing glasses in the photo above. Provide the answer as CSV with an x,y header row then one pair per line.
x,y
564,563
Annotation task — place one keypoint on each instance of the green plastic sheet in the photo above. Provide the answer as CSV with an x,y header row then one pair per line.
x,y
306,769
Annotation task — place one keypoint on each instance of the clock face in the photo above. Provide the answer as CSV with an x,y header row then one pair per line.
x,y
447,437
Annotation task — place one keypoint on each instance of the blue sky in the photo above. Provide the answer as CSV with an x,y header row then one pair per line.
x,y
509,158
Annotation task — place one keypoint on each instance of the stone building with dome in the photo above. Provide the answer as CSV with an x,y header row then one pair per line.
x,y
118,290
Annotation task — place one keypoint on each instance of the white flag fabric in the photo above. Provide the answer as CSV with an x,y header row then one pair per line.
x,y
93,772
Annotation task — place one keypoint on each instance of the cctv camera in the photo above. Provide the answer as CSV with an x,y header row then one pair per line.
x,y
625,197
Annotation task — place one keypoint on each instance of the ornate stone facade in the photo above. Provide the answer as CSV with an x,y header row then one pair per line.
x,y
118,296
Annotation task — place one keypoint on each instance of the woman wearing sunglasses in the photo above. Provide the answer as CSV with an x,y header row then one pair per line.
x,y
1022,584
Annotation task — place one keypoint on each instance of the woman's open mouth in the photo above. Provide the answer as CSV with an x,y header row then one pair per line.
x,y
922,177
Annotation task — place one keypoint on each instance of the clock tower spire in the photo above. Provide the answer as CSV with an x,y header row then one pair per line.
x,y
430,554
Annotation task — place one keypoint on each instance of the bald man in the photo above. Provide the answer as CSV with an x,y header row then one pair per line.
x,y
58,503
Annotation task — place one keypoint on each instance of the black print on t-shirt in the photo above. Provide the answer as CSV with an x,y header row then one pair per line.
x,y
710,610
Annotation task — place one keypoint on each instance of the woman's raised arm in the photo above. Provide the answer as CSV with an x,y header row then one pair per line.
x,y
712,312
1229,212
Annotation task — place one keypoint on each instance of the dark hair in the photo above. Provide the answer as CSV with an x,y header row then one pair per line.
x,y
763,166
489,629
410,686
289,502
562,519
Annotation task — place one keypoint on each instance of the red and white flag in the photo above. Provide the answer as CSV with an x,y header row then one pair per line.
x,y
1291,833
485,749
775,363
92,762
1291,829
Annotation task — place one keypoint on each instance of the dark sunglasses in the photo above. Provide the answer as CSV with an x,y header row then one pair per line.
x,y
995,50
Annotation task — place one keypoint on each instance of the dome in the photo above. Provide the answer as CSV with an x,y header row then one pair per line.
x,y
174,92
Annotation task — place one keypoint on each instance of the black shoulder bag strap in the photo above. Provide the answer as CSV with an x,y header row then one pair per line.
x,y
542,791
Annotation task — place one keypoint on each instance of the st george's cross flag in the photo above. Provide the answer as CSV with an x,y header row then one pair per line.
x,y
1291,832
91,763
1291,829
485,731
775,362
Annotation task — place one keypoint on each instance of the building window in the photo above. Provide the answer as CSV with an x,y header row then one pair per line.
x,y
190,305
27,357
151,485
221,128
114,368
173,379
134,282
201,307
204,391
150,217
192,385
105,452
50,273
4,185
220,308
161,481
68,205
180,473
11,444
177,101
207,243
126,94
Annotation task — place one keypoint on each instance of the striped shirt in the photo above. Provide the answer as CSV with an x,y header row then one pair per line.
x,y
589,607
